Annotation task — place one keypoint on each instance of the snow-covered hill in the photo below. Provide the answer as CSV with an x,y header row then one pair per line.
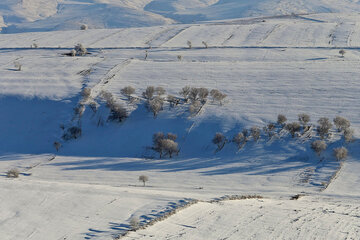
x,y
288,64
45,15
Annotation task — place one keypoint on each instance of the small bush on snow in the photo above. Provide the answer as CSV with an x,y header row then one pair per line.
x,y
149,93
12,173
293,128
304,119
127,91
255,133
348,134
281,119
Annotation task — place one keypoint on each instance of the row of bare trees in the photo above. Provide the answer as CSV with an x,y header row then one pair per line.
x,y
302,128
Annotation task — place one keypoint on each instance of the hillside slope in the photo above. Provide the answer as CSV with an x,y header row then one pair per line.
x,y
266,66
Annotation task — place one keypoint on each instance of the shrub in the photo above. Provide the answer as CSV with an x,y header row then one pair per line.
x,y
143,179
80,50
79,110
57,146
304,119
293,128
156,105
17,66
281,119
217,95
245,132
324,127
340,153
269,129
220,140
72,133
127,91
179,57
160,91
255,133
239,139
205,44
189,44
341,123
118,113
185,93
318,146
149,93
83,27
93,106
348,134
342,52
12,173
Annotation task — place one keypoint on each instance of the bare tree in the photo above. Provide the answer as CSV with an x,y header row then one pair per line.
x,y
348,134
293,128
324,127
203,93
118,113
127,91
194,92
156,105
318,146
195,107
269,129
144,179
342,52
341,123
189,44
240,140
169,146
220,140
304,119
340,153
149,93
205,44
217,96
185,93
57,146
255,133
281,119
160,91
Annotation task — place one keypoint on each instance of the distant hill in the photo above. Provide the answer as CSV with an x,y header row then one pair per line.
x,y
47,15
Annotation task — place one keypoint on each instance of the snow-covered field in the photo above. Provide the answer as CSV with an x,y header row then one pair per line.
x,y
266,66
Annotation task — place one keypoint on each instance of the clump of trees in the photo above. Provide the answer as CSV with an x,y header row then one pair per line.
x,y
165,145
118,112
324,127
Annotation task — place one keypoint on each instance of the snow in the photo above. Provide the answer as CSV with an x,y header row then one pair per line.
x,y
90,189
